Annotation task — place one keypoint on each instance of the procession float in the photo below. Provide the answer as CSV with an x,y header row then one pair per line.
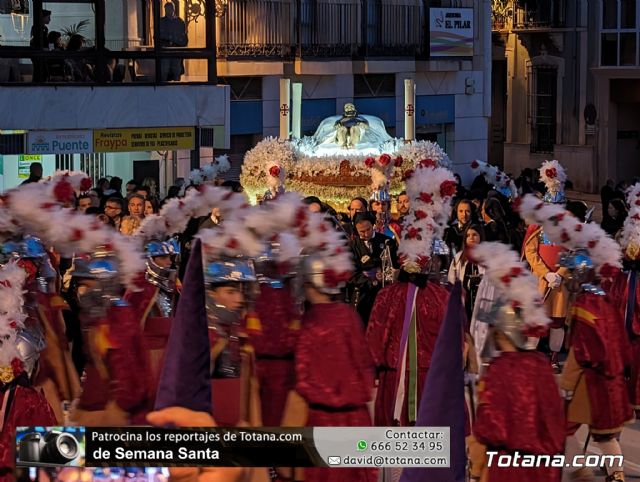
x,y
349,155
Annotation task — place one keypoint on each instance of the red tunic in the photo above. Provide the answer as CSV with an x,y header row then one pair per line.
x,y
335,374
602,350
384,334
118,364
618,291
29,408
273,335
156,329
520,410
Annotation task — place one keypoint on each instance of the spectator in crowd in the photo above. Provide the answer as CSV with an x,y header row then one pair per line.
x,y
115,187
172,33
315,205
152,188
463,269
102,186
144,191
150,207
132,222
616,215
607,193
463,214
493,215
84,202
131,187
35,173
525,181
113,209
461,191
39,36
402,206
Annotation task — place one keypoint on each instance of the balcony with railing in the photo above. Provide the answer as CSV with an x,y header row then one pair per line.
x,y
281,29
538,14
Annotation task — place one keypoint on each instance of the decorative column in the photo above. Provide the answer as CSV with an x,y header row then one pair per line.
x,y
296,110
285,108
409,110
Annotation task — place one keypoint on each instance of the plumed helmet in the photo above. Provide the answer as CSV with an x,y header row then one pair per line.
x,y
230,270
269,270
381,195
28,247
315,271
580,270
102,264
504,317
157,247
29,343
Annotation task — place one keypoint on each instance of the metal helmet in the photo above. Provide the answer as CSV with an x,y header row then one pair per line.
x,y
269,270
28,247
502,316
557,197
314,271
164,278
100,265
30,341
580,271
381,194
230,270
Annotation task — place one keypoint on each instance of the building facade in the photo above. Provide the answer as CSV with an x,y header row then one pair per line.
x,y
361,51
566,86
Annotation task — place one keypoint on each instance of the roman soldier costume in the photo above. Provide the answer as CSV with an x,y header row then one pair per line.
x,y
593,378
406,316
543,256
518,376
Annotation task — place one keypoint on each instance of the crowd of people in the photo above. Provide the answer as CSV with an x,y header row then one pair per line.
x,y
310,316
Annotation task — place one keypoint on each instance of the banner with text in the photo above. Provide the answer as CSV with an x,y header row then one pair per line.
x,y
451,32
235,447
60,142
152,139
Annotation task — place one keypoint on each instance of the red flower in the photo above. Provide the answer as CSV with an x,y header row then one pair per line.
x,y
48,206
420,214
413,233
323,228
274,171
232,243
407,174
426,197
385,159
475,164
637,202
63,191
227,196
448,188
427,163
578,227
636,217
77,234
398,161
551,173
17,366
369,162
516,271
13,325
506,279
301,216
564,237
539,206
592,243
85,184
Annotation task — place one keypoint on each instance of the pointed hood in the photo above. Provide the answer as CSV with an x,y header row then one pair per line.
x,y
442,403
185,376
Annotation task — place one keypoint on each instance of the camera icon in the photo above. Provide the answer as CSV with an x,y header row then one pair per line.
x,y
57,448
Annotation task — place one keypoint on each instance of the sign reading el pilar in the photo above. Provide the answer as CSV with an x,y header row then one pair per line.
x,y
451,32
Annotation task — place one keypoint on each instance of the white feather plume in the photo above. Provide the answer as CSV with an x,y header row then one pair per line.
x,y
630,239
12,315
564,229
430,207
553,176
513,281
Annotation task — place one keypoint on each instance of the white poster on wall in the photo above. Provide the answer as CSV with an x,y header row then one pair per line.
x,y
451,32
60,142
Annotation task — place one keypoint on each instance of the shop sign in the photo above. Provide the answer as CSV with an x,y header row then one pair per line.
x,y
24,165
451,32
153,139
60,142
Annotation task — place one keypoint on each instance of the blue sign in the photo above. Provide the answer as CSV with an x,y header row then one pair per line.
x,y
315,111
435,109
383,107
246,117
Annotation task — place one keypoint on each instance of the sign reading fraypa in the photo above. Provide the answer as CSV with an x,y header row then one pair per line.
x,y
451,32
152,139
60,142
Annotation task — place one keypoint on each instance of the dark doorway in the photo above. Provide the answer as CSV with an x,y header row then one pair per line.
x,y
145,169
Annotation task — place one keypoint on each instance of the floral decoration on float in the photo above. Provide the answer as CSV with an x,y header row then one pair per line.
x,y
319,166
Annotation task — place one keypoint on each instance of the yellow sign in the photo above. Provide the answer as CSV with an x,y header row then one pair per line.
x,y
153,139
